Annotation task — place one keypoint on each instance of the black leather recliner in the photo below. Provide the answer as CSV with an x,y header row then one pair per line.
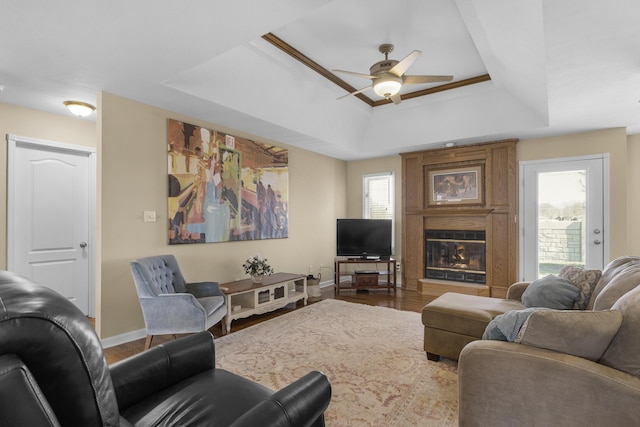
x,y
53,372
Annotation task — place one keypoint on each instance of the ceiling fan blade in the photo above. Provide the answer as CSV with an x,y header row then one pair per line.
x,y
356,92
401,67
396,98
364,76
412,80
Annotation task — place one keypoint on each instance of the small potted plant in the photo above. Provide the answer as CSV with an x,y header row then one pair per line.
x,y
257,267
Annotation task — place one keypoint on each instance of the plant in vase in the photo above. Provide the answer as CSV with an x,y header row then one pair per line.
x,y
257,267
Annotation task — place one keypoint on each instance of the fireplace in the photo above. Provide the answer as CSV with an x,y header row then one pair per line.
x,y
455,255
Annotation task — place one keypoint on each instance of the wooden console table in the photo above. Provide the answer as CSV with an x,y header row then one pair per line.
x,y
366,276
245,298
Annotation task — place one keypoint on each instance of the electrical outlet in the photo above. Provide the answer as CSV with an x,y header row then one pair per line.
x,y
397,266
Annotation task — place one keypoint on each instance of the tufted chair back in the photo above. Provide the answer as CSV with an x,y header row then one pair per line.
x,y
157,275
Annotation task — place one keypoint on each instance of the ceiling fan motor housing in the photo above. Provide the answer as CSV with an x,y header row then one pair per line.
x,y
382,66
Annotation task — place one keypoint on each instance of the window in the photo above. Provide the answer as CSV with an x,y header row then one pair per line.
x,y
378,199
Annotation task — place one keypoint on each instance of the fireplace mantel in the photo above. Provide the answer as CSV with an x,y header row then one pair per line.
x,y
494,210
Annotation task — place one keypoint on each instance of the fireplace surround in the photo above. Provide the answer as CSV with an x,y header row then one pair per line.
x,y
492,214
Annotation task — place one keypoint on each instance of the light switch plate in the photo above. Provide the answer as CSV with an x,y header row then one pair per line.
x,y
149,216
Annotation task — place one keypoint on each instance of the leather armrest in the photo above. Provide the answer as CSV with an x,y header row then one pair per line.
x,y
204,289
144,374
22,402
301,403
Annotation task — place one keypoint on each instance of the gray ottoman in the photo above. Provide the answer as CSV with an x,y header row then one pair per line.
x,y
453,320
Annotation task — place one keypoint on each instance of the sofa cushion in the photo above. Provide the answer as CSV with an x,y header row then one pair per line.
x,y
550,292
505,327
610,271
465,314
584,279
627,277
581,333
624,351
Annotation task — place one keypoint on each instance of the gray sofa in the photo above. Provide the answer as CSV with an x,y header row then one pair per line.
x,y
566,367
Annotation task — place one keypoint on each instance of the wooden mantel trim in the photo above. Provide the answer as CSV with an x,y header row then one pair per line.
x,y
447,211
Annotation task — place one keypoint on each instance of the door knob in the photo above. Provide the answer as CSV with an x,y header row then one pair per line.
x,y
597,242
83,244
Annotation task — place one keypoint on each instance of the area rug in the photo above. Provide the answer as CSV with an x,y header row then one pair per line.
x,y
373,357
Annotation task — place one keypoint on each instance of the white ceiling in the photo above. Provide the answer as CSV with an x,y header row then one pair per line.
x,y
556,66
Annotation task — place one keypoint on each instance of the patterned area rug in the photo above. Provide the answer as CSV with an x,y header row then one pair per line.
x,y
373,356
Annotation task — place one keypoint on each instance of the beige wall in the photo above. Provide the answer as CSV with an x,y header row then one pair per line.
x,y
36,124
633,195
356,170
612,141
133,159
132,178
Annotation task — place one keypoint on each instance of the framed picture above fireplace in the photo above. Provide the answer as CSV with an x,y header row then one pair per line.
x,y
460,185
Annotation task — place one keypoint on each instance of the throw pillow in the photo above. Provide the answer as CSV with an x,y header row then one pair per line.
x,y
585,334
585,280
505,327
550,292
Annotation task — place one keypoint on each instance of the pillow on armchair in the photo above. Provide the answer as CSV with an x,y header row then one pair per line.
x,y
551,292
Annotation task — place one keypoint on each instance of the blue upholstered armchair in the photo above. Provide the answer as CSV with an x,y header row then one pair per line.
x,y
169,304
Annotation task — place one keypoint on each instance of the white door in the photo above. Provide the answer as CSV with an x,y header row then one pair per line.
x,y
563,212
49,216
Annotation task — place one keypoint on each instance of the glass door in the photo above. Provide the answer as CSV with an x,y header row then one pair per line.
x,y
562,215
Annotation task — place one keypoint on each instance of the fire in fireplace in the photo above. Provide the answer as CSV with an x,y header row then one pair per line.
x,y
456,255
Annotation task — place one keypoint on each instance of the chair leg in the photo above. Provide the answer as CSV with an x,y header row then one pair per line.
x,y
147,342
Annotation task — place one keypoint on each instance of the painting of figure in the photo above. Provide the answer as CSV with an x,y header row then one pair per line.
x,y
224,188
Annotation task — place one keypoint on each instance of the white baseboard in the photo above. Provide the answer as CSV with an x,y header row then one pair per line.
x,y
123,338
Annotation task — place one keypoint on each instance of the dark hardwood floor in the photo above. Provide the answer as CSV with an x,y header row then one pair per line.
x,y
403,300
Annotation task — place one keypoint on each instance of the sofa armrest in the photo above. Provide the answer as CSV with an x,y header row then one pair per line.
x,y
541,387
146,373
516,290
300,404
204,289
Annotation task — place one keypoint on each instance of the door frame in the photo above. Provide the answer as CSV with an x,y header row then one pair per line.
x,y
606,202
14,142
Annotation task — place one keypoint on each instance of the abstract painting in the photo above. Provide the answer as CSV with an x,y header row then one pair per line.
x,y
224,188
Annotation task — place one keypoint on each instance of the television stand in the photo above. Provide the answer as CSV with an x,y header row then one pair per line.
x,y
365,274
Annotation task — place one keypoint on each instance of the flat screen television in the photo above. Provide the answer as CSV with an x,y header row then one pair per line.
x,y
364,238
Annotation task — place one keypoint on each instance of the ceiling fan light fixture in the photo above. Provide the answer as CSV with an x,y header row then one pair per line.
x,y
78,108
387,85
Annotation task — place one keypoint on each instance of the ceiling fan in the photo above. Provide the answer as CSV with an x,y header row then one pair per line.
x,y
388,76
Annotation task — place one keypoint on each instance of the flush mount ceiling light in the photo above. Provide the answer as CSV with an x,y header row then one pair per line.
x,y
80,109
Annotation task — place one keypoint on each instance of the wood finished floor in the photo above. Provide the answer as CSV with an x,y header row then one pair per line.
x,y
403,300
